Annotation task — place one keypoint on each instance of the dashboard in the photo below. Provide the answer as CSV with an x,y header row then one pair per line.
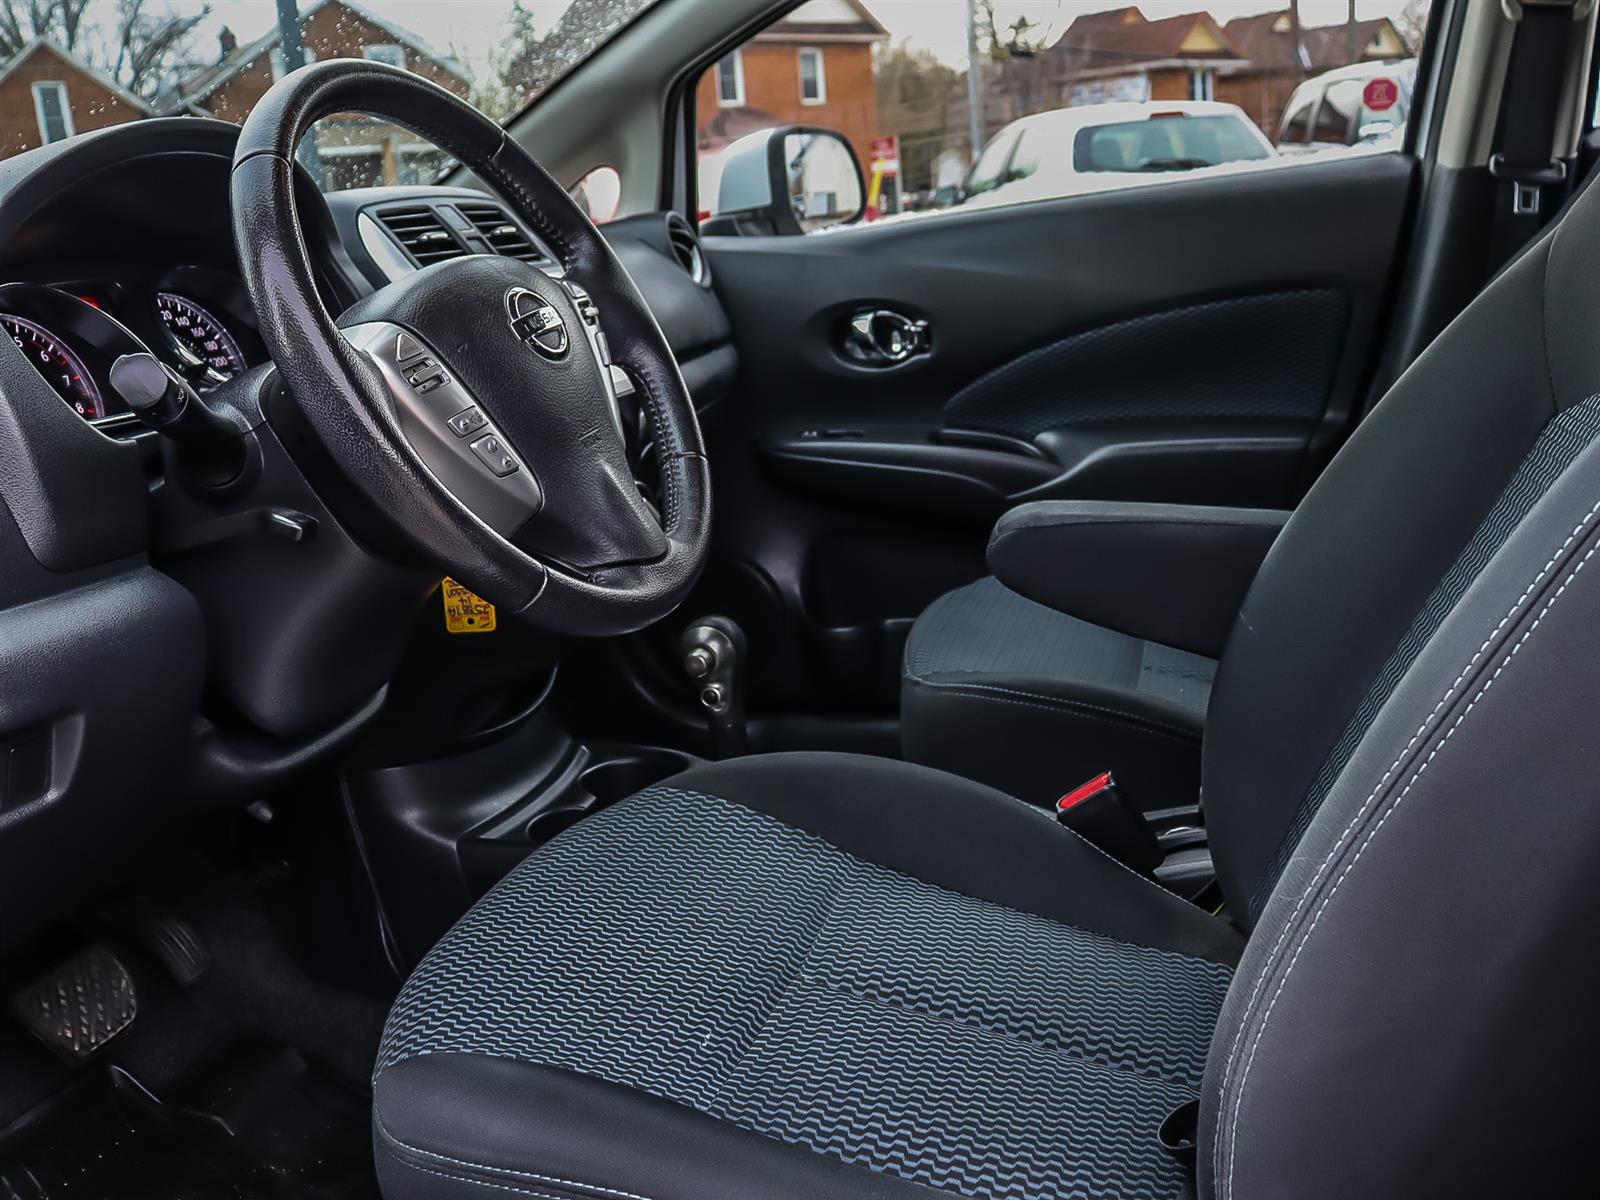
x,y
196,318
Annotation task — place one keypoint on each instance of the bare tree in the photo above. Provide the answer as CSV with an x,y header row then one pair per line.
x,y
532,62
138,44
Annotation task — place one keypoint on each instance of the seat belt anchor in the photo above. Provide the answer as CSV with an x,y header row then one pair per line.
x,y
1527,183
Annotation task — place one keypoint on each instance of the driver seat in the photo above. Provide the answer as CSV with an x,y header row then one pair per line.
x,y
819,975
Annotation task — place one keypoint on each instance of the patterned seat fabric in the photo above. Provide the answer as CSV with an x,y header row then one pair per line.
x,y
709,954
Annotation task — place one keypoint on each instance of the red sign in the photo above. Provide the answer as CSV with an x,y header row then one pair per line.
x,y
885,149
1380,94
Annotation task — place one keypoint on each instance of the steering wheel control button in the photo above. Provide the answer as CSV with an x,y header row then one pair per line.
x,y
406,348
492,453
464,424
537,323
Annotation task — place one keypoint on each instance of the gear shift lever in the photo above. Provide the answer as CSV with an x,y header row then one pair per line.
x,y
712,651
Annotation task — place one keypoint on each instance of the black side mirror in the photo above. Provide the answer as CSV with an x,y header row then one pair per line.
x,y
783,181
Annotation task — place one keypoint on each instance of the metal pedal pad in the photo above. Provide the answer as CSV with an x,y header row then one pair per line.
x,y
79,1007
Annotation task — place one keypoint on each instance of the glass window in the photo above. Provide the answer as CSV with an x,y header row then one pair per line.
x,y
1174,143
386,52
1297,122
730,80
1336,118
52,110
985,173
813,81
891,77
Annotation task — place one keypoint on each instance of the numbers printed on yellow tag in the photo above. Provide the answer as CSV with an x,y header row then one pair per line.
x,y
464,611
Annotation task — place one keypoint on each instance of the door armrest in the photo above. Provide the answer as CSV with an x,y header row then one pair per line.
x,y
1170,573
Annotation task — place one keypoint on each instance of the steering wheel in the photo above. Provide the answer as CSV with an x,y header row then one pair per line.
x,y
471,401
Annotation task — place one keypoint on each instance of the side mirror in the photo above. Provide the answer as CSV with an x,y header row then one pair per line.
x,y
788,180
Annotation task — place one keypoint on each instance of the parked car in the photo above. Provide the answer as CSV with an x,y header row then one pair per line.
x,y
1364,106
1098,147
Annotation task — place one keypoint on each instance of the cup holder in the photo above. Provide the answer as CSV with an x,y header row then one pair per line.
x,y
614,776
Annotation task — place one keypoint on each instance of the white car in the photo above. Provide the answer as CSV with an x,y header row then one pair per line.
x,y
1097,147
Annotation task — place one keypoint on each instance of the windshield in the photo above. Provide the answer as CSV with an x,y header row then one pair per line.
x,y
70,66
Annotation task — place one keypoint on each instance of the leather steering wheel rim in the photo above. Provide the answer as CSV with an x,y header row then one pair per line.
x,y
349,405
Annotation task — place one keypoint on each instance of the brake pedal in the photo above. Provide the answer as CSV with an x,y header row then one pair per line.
x,y
79,1007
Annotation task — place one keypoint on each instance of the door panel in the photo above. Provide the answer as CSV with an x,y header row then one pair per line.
x,y
1201,341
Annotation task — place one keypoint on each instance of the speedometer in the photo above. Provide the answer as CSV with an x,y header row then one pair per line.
x,y
61,368
207,350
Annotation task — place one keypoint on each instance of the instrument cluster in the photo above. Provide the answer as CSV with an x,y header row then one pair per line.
x,y
195,319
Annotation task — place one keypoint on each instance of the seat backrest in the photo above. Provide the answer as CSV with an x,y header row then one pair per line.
x,y
1402,777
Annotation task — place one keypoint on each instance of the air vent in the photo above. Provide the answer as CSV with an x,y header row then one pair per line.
x,y
422,233
501,232
687,250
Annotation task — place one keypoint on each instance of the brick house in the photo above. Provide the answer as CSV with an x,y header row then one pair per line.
x,y
814,67
352,150
1120,54
1267,41
47,94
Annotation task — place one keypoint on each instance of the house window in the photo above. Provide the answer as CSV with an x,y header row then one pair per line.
x,y
50,105
813,80
278,71
730,81
1202,84
391,53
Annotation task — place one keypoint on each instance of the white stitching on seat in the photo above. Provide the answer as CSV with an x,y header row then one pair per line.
x,y
462,1162
1304,939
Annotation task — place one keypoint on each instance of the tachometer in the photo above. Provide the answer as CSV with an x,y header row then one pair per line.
x,y
62,369
207,350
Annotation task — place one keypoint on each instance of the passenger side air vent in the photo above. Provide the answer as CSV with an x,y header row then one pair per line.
x,y
501,232
687,250
422,233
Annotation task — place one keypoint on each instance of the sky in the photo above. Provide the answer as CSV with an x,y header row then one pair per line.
x,y
471,27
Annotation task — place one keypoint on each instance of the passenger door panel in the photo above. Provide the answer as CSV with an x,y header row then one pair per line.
x,y
1202,341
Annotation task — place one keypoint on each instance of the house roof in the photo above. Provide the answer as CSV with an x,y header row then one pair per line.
x,y
1126,36
45,45
1265,40
826,21
199,86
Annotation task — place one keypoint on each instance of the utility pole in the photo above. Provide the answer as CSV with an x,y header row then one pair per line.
x,y
974,80
1296,39
293,48
1352,50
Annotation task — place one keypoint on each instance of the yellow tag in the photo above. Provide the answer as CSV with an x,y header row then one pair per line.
x,y
465,612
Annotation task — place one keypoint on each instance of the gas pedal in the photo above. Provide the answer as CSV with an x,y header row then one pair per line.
x,y
169,937
79,1007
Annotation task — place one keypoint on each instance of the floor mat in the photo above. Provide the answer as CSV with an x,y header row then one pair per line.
x,y
260,1123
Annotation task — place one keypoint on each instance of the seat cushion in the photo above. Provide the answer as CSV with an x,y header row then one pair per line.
x,y
1032,701
804,975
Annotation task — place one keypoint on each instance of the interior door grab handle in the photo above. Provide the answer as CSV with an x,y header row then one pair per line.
x,y
881,337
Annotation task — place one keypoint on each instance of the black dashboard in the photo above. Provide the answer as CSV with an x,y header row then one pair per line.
x,y
139,255
161,647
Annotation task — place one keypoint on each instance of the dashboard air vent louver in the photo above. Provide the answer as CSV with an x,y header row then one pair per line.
x,y
501,232
422,233
687,250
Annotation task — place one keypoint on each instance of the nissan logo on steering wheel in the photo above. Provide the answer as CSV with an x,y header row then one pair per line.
x,y
536,323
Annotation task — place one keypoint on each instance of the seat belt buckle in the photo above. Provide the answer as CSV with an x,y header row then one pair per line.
x,y
1527,183
1097,812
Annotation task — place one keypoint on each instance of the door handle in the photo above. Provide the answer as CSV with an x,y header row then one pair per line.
x,y
882,337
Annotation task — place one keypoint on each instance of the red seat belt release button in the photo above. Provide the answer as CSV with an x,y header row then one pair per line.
x,y
1084,791
1097,812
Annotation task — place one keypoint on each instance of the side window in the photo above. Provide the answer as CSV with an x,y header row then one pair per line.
x,y
1113,94
1026,157
985,173
1336,119
1297,121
